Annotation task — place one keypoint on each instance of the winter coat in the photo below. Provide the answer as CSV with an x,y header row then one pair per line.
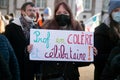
x,y
104,45
4,70
69,70
112,68
15,35
9,56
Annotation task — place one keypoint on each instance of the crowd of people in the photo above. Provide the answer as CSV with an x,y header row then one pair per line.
x,y
15,44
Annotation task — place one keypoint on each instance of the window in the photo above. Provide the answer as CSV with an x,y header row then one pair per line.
x,y
41,4
3,3
105,5
87,5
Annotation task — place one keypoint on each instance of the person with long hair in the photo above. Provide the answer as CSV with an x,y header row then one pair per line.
x,y
62,20
106,37
61,70
2,24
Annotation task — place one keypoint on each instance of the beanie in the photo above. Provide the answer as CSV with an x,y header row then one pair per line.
x,y
113,5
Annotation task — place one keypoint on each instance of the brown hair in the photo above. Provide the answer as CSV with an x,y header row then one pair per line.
x,y
112,32
53,24
23,7
66,6
58,1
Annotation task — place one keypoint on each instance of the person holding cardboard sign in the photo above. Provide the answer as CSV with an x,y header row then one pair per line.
x,y
61,70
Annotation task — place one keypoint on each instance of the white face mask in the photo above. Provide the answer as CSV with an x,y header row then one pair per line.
x,y
116,16
29,19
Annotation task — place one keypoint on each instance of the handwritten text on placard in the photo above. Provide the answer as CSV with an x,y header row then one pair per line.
x,y
61,45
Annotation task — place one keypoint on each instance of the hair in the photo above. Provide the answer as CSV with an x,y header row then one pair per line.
x,y
74,25
65,5
42,15
12,15
58,1
5,73
112,32
26,4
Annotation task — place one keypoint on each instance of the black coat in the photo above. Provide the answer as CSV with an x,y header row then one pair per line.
x,y
9,56
4,70
15,35
112,68
58,68
104,45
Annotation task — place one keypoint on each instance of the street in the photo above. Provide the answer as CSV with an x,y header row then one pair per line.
x,y
87,72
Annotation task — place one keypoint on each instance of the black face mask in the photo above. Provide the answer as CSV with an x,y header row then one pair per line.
x,y
62,19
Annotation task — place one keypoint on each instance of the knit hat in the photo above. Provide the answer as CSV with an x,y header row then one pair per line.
x,y
113,5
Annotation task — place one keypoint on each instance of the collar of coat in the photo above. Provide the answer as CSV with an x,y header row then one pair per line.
x,y
107,21
17,21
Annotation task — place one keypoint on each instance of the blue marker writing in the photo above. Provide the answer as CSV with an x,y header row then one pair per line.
x,y
42,40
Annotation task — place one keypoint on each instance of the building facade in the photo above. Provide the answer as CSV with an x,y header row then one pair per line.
x,y
91,7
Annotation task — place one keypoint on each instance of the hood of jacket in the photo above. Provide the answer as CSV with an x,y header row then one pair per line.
x,y
107,21
17,21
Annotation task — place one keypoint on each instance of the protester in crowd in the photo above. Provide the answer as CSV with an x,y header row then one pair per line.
x,y
41,20
47,13
2,24
18,33
57,70
111,70
58,1
11,63
4,69
7,18
106,37
12,17
36,17
42,16
36,20
82,24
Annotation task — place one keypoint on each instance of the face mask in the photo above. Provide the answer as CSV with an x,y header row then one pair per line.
x,y
116,16
63,20
29,19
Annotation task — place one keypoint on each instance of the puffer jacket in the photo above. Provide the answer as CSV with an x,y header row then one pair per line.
x,y
4,69
8,54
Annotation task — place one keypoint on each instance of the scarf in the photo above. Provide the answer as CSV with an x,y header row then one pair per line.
x,y
26,27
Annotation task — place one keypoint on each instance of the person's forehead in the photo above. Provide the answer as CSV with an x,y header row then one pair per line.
x,y
61,7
